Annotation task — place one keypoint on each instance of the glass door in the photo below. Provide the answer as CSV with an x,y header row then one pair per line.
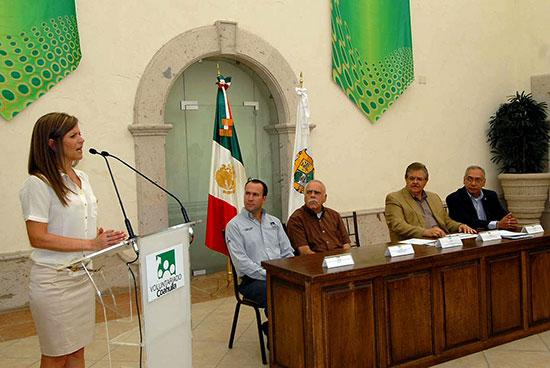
x,y
190,108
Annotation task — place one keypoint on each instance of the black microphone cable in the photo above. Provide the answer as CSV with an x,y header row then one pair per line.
x,y
137,304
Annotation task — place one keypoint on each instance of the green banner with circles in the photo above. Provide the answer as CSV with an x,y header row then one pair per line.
x,y
39,46
372,58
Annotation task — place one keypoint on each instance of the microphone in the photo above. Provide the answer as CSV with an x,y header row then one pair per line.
x,y
106,154
131,234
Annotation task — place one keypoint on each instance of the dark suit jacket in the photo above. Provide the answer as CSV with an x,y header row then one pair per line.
x,y
462,209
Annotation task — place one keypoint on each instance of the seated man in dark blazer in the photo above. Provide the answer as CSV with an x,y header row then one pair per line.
x,y
478,207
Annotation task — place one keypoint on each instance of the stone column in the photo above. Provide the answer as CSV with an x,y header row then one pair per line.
x,y
149,143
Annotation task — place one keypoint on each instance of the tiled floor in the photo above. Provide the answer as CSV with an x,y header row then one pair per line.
x,y
211,324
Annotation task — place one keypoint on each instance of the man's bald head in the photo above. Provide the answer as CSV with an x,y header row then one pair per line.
x,y
319,182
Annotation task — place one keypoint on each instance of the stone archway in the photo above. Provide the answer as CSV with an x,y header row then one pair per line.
x,y
225,39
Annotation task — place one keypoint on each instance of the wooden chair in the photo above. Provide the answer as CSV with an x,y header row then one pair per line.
x,y
250,303
351,223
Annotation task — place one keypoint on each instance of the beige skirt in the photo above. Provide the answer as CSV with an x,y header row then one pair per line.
x,y
63,309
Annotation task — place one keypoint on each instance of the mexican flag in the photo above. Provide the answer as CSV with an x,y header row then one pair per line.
x,y
227,174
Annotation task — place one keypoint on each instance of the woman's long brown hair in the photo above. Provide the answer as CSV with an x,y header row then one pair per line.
x,y
45,162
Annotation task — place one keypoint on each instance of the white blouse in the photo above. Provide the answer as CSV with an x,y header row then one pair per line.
x,y
77,220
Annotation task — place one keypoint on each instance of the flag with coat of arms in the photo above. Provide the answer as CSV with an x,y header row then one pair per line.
x,y
227,173
302,165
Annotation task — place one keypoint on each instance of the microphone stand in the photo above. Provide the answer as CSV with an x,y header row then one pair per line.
x,y
132,238
126,220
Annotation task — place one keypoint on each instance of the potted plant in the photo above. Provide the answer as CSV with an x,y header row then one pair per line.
x,y
519,136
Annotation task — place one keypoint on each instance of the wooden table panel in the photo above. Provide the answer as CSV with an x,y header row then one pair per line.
x,y
504,293
349,330
288,322
409,317
460,285
539,286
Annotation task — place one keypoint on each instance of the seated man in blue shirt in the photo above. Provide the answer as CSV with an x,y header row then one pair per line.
x,y
478,207
254,236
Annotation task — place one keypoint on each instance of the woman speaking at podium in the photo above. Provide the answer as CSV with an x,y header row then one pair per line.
x,y
60,212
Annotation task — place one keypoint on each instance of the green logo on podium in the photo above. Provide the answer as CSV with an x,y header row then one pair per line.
x,y
166,264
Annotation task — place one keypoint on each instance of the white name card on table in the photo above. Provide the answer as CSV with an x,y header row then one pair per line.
x,y
489,236
449,242
338,261
533,229
399,250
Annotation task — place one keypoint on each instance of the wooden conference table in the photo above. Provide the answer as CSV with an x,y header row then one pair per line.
x,y
410,311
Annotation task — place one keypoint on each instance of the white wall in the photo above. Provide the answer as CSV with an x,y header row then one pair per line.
x,y
472,53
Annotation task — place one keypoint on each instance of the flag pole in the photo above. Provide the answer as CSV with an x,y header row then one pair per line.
x,y
302,168
225,198
229,274
228,280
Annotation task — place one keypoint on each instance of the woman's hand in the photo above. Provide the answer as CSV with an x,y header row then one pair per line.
x,y
106,238
40,238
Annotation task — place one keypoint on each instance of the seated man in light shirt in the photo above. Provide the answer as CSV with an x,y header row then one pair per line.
x,y
478,207
254,236
413,213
